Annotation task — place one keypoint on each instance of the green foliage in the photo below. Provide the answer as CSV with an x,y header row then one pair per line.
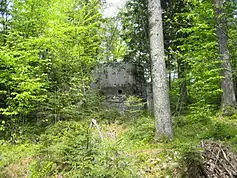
x,y
48,50
68,145
109,115
134,107
199,53
41,169
14,159
191,50
142,130
200,112
111,162
134,19
222,131
72,149
207,128
47,56
190,133
23,82
113,46
20,133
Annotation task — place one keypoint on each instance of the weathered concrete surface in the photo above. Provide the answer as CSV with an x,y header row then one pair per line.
x,y
119,80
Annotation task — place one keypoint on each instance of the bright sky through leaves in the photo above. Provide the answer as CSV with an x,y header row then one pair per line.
x,y
112,7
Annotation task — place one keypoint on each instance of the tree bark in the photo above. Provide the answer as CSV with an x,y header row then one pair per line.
x,y
227,84
161,100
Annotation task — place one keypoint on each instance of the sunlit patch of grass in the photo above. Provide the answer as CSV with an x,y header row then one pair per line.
x,y
14,159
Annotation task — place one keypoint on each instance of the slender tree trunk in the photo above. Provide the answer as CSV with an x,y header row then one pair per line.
x,y
159,75
227,84
183,98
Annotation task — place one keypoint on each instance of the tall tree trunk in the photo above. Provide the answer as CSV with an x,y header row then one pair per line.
x,y
159,76
227,84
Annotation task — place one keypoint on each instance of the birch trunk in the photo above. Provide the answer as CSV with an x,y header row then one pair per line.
x,y
161,100
227,84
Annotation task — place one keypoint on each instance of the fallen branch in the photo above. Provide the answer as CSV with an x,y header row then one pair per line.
x,y
217,161
94,122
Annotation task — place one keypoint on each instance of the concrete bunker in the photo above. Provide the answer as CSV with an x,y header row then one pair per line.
x,y
119,80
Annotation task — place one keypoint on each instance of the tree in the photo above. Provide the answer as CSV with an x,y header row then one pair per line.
x,y
46,62
113,46
194,47
22,79
3,29
159,76
134,20
173,22
227,85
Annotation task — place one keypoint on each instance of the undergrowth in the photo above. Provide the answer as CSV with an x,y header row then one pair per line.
x,y
120,148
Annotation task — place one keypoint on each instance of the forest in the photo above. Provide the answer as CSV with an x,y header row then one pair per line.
x,y
55,124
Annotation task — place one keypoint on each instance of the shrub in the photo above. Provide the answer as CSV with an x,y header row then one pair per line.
x,y
222,131
72,149
142,130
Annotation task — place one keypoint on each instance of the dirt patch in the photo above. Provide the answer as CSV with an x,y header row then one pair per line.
x,y
17,170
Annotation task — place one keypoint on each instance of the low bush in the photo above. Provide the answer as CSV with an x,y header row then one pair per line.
x,y
141,131
74,150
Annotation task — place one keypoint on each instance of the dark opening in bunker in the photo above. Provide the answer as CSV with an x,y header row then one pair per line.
x,y
120,91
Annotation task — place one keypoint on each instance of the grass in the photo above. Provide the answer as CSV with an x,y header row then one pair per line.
x,y
126,146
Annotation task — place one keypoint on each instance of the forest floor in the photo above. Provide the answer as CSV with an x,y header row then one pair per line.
x,y
122,148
